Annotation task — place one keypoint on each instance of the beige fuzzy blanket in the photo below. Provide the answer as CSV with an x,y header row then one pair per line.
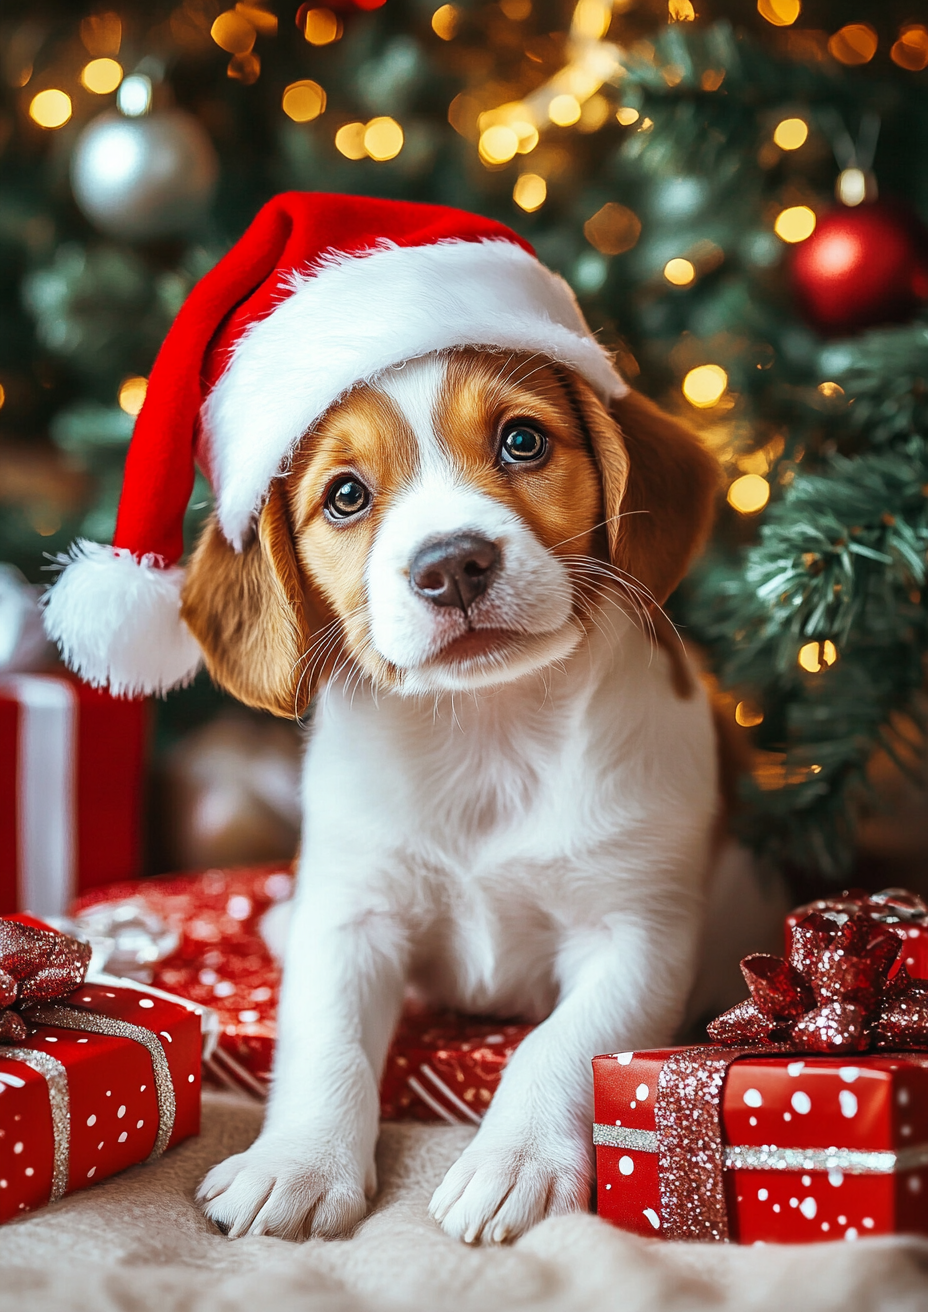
x,y
138,1242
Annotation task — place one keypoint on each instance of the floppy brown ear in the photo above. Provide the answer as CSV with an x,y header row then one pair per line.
x,y
659,485
249,613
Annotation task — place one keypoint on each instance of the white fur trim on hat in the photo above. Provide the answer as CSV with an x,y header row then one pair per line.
x,y
117,621
350,318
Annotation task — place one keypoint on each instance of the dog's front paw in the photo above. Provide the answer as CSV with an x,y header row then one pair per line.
x,y
278,1188
497,1190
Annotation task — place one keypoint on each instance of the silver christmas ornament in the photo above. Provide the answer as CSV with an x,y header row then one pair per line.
x,y
144,177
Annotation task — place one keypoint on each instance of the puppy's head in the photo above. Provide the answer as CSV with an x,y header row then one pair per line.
x,y
451,525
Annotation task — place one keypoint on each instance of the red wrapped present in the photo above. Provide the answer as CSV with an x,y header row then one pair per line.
x,y
71,790
810,1123
93,1078
801,1149
906,914
439,1068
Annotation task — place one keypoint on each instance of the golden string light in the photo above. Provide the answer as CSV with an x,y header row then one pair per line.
x,y
321,27
748,714
131,394
679,272
749,494
101,76
530,192
383,138
817,656
791,133
781,13
795,223
303,101
705,385
854,44
563,99
564,110
50,108
911,50
380,139
235,31
445,22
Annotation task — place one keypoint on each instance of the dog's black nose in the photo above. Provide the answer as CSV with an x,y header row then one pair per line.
x,y
454,571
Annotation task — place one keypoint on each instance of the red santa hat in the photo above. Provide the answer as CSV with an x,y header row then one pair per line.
x,y
322,292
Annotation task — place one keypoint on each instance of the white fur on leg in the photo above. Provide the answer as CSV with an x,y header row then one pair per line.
x,y
117,621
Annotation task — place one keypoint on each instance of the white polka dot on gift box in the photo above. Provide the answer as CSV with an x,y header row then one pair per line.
x,y
791,1206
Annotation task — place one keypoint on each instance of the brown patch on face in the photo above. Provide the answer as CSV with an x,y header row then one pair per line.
x,y
364,436
286,611
560,498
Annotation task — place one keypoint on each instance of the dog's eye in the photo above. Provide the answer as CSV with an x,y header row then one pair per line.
x,y
522,444
346,498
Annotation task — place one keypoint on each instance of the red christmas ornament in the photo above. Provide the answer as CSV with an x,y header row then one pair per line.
x,y
862,266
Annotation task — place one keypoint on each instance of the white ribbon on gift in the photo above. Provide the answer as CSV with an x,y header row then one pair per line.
x,y
46,791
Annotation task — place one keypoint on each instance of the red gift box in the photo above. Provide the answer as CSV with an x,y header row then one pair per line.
x,y
439,1068
813,1148
906,914
107,1076
71,774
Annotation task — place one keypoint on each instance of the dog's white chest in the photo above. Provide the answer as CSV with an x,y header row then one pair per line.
x,y
502,825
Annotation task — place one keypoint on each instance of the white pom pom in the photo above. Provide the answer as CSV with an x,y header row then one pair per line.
x,y
117,621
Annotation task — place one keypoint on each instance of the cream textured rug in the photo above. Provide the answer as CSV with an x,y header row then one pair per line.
x,y
138,1242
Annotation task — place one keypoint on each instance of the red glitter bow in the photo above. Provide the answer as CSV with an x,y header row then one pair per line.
x,y
838,992
36,965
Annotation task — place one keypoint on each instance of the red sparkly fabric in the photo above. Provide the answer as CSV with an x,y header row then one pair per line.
x,y
843,989
36,964
905,913
439,1068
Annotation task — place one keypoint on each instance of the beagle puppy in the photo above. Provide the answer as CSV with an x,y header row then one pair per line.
x,y
510,793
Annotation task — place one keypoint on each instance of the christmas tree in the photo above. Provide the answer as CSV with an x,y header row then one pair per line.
x,y
732,190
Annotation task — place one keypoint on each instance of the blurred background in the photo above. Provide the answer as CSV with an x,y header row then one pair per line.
x,y
736,192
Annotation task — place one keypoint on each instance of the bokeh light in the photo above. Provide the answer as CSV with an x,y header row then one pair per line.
x,y
854,44
749,494
748,714
51,108
321,27
791,133
627,115
781,13
445,22
830,390
705,385
232,32
817,656
383,138
592,19
530,192
132,394
349,140
911,50
613,229
303,101
564,110
498,144
680,272
795,223
680,11
101,76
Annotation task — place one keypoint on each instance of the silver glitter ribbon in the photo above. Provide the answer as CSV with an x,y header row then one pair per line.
x,y
768,1157
56,1077
75,1018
